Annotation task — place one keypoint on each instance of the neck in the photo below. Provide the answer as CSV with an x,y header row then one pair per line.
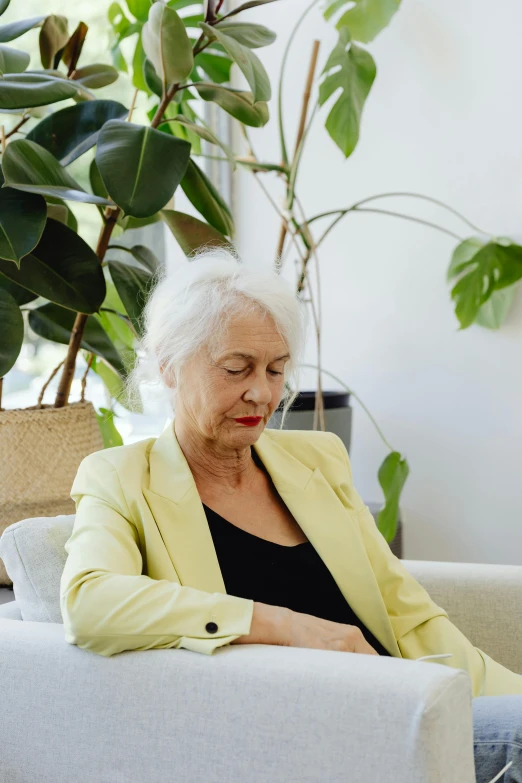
x,y
212,464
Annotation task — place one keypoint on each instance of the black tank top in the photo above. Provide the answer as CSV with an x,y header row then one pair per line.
x,y
290,576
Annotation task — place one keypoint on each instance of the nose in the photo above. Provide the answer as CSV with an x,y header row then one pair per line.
x,y
259,390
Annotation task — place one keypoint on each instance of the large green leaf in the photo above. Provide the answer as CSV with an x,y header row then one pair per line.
x,y
238,103
8,32
133,284
54,35
114,383
365,18
254,36
140,253
191,233
139,8
138,63
494,312
26,90
140,166
12,331
69,133
167,44
21,295
203,195
61,268
29,167
483,269
152,79
12,60
56,323
96,182
4,4
119,22
392,477
216,66
22,220
353,70
96,75
249,63
110,435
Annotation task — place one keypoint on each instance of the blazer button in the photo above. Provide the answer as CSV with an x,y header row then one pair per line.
x,y
211,627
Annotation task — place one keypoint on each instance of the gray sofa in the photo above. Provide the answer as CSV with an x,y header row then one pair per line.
x,y
249,713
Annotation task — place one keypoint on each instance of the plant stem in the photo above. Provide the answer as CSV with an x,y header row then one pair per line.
x,y
284,154
19,125
342,212
361,403
426,198
300,132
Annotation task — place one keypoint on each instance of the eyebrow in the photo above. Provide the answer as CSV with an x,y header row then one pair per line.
x,y
242,355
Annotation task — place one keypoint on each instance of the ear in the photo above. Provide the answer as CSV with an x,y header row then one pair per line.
x,y
169,378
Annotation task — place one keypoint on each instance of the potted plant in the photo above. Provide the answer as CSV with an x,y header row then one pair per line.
x,y
91,298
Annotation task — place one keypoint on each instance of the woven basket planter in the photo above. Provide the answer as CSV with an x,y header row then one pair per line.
x,y
41,448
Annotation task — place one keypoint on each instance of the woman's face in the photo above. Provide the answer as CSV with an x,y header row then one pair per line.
x,y
240,375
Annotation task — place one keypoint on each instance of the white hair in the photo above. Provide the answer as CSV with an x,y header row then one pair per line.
x,y
190,305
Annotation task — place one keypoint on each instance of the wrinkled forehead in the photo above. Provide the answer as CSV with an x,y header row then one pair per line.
x,y
253,334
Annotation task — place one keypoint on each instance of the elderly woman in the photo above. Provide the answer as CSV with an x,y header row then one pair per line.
x,y
221,531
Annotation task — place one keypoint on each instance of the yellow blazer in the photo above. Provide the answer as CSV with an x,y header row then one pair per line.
x,y
142,571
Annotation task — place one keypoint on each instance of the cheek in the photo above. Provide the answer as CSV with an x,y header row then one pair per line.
x,y
220,396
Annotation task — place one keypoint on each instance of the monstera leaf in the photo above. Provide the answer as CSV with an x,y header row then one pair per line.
x,y
364,18
353,70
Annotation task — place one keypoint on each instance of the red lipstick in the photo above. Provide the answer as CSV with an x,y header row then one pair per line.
x,y
249,421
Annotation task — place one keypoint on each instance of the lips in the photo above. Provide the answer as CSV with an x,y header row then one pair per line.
x,y
250,421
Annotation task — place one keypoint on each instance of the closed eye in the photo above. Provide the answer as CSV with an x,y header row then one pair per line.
x,y
238,372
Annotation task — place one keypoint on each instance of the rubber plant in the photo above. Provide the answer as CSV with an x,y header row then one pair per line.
x,y
483,270
182,51
90,298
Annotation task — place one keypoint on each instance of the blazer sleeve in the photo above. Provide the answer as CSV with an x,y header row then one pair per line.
x,y
108,605
420,626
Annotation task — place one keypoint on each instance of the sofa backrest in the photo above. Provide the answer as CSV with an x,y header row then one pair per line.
x,y
33,551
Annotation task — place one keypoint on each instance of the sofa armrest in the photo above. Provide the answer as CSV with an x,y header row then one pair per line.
x,y
10,611
251,712
484,601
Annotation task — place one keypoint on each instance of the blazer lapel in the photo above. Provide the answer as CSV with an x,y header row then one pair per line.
x,y
333,530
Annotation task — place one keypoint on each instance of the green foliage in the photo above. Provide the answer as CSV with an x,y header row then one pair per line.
x,y
22,220
12,331
483,269
167,45
30,167
203,195
55,323
61,268
365,19
351,69
140,167
129,172
191,233
69,133
12,60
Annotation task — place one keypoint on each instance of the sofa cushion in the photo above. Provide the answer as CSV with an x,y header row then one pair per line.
x,y
33,551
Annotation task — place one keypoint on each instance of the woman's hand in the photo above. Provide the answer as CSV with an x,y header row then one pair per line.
x,y
305,630
282,626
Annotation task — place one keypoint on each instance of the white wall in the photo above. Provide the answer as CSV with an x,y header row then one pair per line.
x,y
443,119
